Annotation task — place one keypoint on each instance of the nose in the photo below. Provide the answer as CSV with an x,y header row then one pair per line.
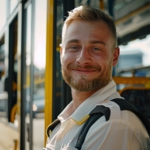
x,y
83,57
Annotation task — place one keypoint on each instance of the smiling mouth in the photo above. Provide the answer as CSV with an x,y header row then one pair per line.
x,y
87,69
84,71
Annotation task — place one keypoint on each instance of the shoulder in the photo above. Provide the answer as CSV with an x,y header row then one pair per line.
x,y
120,121
121,131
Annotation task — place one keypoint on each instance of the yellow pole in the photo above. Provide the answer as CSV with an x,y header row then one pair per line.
x,y
102,7
49,66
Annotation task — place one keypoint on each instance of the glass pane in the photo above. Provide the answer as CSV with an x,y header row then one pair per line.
x,y
3,95
39,73
135,54
39,44
27,70
59,104
3,13
2,57
13,4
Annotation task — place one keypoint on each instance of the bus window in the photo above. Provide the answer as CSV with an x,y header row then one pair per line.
x,y
3,14
11,79
3,95
2,57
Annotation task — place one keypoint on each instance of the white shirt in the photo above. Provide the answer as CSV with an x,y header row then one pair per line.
x,y
123,131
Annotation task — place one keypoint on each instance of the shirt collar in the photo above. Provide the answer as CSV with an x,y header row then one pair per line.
x,y
81,113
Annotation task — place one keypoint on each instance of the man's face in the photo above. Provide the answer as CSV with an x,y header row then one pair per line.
x,y
87,55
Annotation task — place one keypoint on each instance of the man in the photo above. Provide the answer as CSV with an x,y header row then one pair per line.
x,y
88,53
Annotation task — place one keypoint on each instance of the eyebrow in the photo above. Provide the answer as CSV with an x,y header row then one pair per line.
x,y
97,42
73,41
91,42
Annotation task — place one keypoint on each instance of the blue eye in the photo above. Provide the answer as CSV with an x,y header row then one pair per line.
x,y
74,48
96,49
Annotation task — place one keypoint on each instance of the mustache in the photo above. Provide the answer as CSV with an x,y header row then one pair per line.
x,y
88,67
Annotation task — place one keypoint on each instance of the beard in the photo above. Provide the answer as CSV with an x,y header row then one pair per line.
x,y
82,83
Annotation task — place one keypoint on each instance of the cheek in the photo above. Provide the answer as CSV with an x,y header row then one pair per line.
x,y
105,64
66,59
102,60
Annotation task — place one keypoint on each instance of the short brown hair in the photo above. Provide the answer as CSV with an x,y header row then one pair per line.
x,y
89,14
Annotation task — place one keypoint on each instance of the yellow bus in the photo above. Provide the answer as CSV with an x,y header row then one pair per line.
x,y
32,91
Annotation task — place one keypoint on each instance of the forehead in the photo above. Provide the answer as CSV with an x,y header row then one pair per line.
x,y
88,30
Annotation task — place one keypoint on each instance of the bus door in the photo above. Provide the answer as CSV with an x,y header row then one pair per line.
x,y
8,84
11,78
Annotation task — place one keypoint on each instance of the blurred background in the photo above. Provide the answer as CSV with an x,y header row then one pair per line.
x,y
32,92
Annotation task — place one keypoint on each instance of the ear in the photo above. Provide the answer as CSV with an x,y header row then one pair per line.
x,y
116,54
60,50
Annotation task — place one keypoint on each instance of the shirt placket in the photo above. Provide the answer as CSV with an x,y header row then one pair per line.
x,y
62,133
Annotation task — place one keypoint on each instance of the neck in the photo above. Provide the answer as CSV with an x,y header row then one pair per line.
x,y
79,97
